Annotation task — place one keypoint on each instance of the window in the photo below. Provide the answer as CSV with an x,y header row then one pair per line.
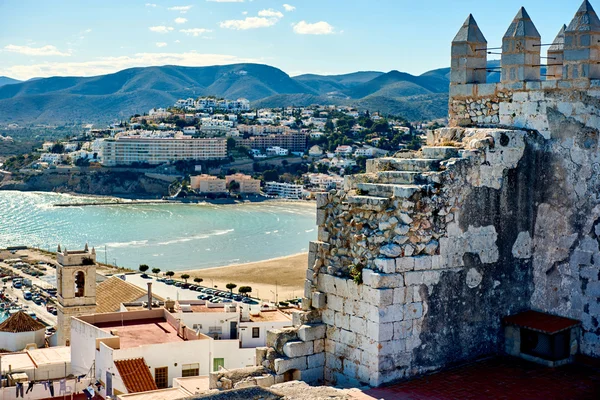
x,y
255,332
161,377
190,370
218,363
79,284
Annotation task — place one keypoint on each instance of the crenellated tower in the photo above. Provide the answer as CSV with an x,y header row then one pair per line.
x,y
469,54
582,45
521,46
556,53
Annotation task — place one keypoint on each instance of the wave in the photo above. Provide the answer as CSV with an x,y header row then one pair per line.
x,y
196,237
133,243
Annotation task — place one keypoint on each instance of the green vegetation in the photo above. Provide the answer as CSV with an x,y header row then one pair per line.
x,y
143,268
170,274
231,286
156,271
185,277
244,290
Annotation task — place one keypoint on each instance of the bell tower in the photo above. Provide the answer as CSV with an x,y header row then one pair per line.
x,y
76,288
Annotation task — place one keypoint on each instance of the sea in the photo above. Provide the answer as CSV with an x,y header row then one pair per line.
x,y
167,236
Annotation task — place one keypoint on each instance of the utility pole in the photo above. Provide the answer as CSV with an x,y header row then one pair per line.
x,y
105,256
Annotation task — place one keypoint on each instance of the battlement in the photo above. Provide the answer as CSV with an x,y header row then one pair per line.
x,y
573,65
68,258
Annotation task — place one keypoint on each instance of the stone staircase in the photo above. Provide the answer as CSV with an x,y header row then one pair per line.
x,y
390,178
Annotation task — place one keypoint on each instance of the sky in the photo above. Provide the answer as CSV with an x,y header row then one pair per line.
x,y
40,38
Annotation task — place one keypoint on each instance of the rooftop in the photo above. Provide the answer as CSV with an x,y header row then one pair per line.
x,y
268,316
21,322
142,332
135,375
32,359
497,378
114,291
541,322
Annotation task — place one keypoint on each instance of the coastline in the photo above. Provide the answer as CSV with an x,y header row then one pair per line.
x,y
282,275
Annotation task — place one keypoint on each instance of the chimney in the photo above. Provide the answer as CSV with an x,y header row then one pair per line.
x,y
149,295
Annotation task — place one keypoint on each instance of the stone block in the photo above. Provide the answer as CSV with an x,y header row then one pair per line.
x,y
321,216
413,278
413,311
342,320
341,286
378,297
405,264
358,325
319,300
261,355
316,360
400,295
422,263
308,333
348,338
322,199
308,288
391,250
265,380
282,365
319,346
328,317
335,303
380,332
325,283
380,281
391,313
312,375
403,329
393,347
298,349
386,265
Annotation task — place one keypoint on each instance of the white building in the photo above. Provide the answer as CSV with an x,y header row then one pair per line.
x,y
324,181
344,151
189,130
315,151
277,151
20,331
284,190
366,152
159,149
136,351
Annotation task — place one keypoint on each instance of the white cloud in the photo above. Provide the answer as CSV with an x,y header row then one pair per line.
x,y
245,12
161,29
226,1
181,9
289,8
177,41
318,28
180,20
270,13
105,65
36,51
195,31
87,31
161,44
248,23
150,5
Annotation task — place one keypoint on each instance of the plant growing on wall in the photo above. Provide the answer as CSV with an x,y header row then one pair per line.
x,y
356,273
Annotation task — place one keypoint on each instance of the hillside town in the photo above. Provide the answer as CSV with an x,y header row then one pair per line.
x,y
212,147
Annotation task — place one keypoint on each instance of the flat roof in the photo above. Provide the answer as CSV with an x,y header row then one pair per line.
x,y
142,331
32,359
271,315
541,322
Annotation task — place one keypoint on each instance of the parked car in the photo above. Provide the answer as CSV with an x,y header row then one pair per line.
x,y
192,287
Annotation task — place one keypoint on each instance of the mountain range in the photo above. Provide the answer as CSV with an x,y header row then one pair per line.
x,y
119,95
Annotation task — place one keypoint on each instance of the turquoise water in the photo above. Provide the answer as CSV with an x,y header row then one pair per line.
x,y
167,236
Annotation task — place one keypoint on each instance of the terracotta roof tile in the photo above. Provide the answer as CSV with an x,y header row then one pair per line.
x,y
21,322
135,375
114,291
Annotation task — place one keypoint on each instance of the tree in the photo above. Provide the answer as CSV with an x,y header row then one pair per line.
x,y
57,148
198,280
231,286
185,277
143,268
170,274
155,271
271,175
233,186
245,290
231,144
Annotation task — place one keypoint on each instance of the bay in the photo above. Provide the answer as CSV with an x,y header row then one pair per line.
x,y
167,236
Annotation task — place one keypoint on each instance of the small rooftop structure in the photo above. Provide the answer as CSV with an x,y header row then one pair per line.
x,y
469,54
21,322
135,375
521,50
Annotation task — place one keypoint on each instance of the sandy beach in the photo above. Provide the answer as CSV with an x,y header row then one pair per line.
x,y
284,275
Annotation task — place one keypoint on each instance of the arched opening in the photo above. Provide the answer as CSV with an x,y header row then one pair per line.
x,y
79,284
291,375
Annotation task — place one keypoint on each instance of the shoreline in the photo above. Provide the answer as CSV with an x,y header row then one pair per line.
x,y
142,200
282,275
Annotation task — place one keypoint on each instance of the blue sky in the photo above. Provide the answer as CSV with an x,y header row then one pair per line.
x,y
76,37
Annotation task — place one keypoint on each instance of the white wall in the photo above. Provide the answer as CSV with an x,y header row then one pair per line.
x,y
208,319
246,332
83,345
18,341
233,355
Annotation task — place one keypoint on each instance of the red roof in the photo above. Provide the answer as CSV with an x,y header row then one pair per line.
x,y
541,322
136,375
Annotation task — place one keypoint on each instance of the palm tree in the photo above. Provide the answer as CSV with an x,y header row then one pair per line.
x,y
185,277
155,271
231,286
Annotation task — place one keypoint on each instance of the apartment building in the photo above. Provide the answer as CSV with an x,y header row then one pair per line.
x,y
248,185
160,149
258,130
208,184
294,142
284,190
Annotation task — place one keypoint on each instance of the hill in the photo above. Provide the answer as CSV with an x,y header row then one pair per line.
x,y
5,80
114,96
